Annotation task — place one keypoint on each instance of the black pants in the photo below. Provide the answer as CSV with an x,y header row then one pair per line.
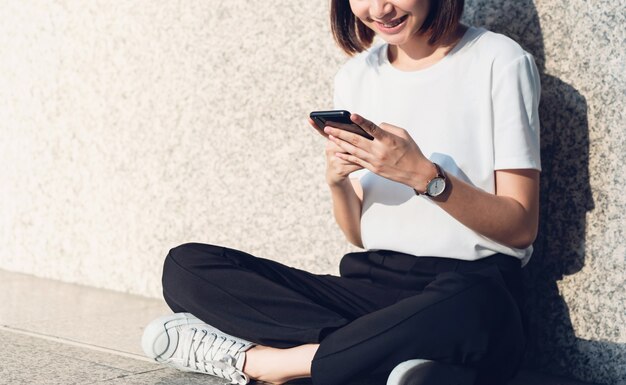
x,y
385,308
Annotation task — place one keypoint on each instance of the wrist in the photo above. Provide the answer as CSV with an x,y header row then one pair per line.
x,y
426,172
338,183
436,186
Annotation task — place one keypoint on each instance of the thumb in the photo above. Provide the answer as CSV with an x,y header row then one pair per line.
x,y
368,126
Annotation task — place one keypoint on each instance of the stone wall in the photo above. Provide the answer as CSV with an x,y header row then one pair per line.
x,y
576,301
128,127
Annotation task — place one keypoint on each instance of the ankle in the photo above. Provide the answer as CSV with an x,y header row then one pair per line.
x,y
278,366
254,365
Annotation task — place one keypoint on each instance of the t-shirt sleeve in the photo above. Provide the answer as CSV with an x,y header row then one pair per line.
x,y
516,94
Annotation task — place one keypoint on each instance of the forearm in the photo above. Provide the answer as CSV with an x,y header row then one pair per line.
x,y
347,210
510,216
501,218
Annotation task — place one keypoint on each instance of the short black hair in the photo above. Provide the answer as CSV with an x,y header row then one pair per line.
x,y
353,36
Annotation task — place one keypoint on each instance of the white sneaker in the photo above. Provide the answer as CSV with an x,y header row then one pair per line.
x,y
186,343
425,372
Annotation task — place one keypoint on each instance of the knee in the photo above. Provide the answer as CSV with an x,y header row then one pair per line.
x,y
180,253
173,265
177,257
189,257
186,262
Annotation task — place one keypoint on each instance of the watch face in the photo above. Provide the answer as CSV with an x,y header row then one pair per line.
x,y
436,187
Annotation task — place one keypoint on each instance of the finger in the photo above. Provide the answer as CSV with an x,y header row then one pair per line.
x,y
349,167
349,137
332,147
344,135
353,159
368,126
393,129
351,148
339,162
319,130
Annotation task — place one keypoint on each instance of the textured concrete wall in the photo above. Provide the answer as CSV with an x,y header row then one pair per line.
x,y
127,127
576,296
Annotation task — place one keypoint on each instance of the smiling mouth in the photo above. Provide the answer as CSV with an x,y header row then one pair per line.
x,y
393,23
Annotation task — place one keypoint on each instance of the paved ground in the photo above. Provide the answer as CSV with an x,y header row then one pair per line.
x,y
57,333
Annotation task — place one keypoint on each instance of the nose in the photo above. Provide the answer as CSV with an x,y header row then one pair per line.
x,y
380,8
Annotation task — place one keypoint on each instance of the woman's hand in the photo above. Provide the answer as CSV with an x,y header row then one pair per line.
x,y
393,154
337,168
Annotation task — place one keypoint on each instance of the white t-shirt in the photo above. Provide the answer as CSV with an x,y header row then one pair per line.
x,y
473,112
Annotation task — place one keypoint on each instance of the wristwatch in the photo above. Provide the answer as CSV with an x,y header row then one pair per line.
x,y
435,186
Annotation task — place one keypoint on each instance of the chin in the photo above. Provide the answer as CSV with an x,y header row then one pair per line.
x,y
397,40
408,36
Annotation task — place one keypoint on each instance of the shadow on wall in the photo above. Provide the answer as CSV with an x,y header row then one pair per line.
x,y
565,200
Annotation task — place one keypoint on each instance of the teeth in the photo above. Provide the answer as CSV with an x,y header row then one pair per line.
x,y
400,20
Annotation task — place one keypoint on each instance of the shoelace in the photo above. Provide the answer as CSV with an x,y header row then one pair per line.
x,y
212,354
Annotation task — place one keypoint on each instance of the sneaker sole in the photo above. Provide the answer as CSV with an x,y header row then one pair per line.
x,y
425,372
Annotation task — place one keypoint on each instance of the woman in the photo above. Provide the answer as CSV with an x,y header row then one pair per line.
x,y
444,199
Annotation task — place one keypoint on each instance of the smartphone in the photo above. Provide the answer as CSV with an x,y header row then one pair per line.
x,y
340,119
